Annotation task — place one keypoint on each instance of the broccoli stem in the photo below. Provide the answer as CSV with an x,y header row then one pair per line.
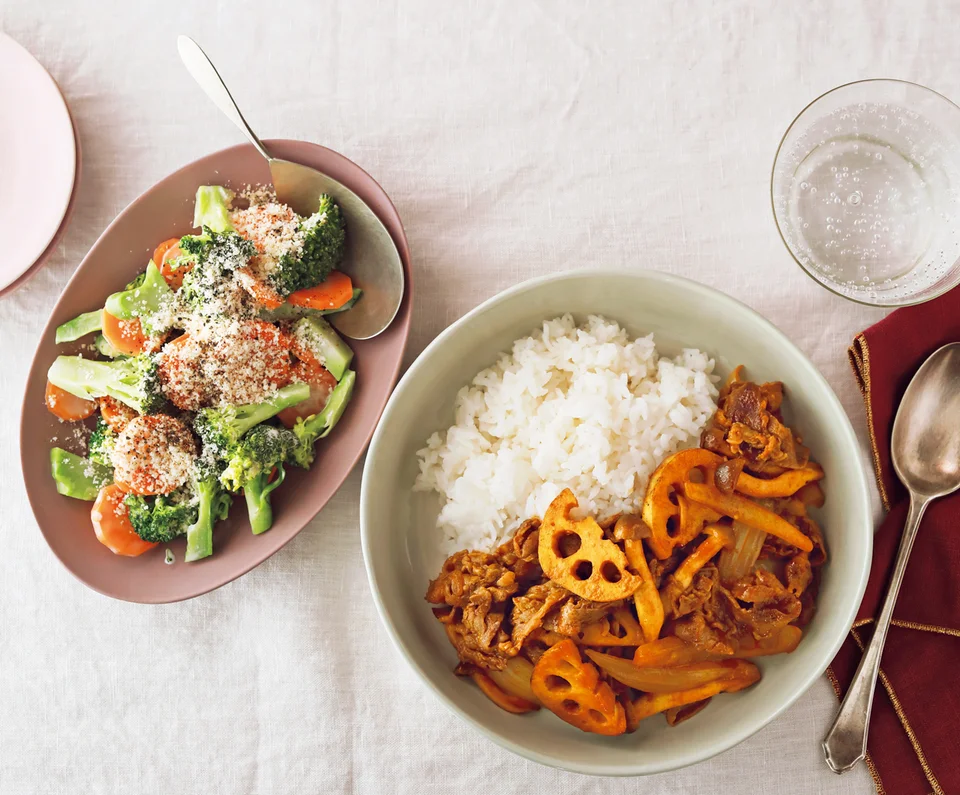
x,y
132,381
321,424
80,326
256,413
257,495
78,477
200,533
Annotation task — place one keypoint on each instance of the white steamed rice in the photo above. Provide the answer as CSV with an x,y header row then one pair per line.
x,y
580,407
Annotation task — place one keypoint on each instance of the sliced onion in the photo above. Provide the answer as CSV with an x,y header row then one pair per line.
x,y
739,561
515,678
664,680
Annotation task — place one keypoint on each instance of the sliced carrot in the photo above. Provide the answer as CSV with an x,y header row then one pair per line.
x,y
163,258
160,252
332,293
115,413
125,335
262,292
112,524
322,383
66,406
174,272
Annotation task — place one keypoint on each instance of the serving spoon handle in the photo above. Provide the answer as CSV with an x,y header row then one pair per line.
x,y
846,742
202,70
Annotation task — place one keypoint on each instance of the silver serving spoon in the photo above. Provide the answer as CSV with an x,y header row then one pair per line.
x,y
372,260
926,456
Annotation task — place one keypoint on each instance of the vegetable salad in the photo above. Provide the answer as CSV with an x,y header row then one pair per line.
x,y
209,375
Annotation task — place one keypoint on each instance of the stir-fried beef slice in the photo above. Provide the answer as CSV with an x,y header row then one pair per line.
x,y
759,585
798,573
748,423
464,572
661,569
698,594
575,613
470,648
526,540
760,603
483,618
711,636
529,611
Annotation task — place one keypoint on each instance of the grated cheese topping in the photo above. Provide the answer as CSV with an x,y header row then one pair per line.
x,y
274,229
153,454
224,364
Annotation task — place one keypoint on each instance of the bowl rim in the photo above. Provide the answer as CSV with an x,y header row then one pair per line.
x,y
405,321
773,201
848,440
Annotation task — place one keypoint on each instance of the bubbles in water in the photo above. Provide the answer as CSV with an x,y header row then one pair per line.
x,y
855,198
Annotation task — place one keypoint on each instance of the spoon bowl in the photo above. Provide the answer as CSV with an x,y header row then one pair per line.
x,y
371,259
926,432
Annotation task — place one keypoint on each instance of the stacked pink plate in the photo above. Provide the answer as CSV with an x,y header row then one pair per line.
x,y
39,164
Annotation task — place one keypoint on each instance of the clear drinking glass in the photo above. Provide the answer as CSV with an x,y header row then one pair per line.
x,y
866,192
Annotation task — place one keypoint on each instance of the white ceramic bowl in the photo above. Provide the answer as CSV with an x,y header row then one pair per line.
x,y
399,539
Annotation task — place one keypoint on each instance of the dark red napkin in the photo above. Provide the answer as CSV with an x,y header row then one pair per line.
x,y
914,744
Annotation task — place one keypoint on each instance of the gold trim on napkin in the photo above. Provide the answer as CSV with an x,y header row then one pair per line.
x,y
859,354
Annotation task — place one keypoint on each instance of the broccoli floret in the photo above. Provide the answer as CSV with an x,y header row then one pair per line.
x,y
308,431
101,442
212,504
192,511
221,428
159,519
261,449
216,258
250,465
323,248
143,300
212,208
133,381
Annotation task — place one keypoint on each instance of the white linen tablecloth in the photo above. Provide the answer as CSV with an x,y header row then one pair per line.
x,y
516,138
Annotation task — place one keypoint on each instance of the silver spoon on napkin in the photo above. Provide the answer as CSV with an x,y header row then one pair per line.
x,y
926,456
372,260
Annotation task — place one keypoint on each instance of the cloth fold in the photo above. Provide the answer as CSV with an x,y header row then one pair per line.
x,y
914,743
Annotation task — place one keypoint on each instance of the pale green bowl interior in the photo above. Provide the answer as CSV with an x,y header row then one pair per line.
x,y
399,538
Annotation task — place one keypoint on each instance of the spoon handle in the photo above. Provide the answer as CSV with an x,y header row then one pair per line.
x,y
202,70
846,742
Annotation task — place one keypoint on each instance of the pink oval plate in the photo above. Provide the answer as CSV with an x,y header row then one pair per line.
x,y
166,210
38,160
